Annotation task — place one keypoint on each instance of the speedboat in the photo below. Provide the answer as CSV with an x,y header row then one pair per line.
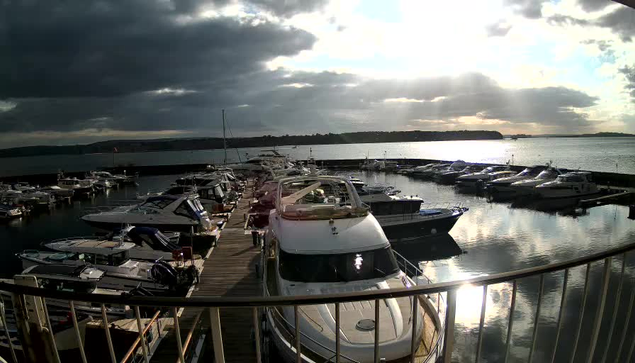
x,y
10,212
113,257
490,173
322,240
503,185
573,184
164,212
74,279
428,172
58,192
150,243
79,279
402,218
450,176
211,196
528,187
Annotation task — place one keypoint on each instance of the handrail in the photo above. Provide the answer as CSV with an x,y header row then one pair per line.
x,y
135,344
259,301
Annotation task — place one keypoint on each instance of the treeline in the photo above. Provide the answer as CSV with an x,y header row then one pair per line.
x,y
131,146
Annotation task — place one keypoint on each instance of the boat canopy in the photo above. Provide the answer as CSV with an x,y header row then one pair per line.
x,y
318,198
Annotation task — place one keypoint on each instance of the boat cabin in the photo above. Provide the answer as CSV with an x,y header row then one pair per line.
x,y
80,279
318,198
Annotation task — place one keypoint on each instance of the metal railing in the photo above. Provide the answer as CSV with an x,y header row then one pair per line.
x,y
215,305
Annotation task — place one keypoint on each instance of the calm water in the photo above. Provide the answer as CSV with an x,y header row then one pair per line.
x,y
490,238
596,154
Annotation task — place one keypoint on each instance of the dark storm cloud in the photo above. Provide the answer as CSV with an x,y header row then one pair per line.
x,y
136,66
621,21
270,102
594,5
84,48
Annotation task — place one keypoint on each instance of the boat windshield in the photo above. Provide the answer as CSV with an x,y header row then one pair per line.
x,y
547,174
529,172
571,178
318,199
341,267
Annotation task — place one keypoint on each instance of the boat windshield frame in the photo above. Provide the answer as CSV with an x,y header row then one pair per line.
x,y
337,267
295,194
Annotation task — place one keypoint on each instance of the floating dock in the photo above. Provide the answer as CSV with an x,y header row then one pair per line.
x,y
230,270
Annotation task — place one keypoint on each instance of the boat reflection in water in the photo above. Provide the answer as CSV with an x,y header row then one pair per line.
x,y
429,248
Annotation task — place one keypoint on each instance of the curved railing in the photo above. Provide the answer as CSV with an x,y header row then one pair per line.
x,y
449,289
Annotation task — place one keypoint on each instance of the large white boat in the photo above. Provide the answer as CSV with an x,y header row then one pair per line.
x,y
211,195
573,184
490,173
503,185
164,212
322,240
113,257
77,186
528,186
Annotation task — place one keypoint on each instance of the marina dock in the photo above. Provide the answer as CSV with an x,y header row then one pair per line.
x,y
229,270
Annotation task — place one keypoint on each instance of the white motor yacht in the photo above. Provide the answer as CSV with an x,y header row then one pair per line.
x,y
528,187
164,212
487,174
321,239
503,185
113,257
573,184
58,192
78,187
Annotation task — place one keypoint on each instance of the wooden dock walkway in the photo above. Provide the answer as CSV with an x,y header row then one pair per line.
x,y
228,271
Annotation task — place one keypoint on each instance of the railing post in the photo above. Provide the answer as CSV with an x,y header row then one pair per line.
x,y
78,335
376,348
337,333
616,305
627,323
298,347
142,338
450,315
257,335
563,301
536,319
217,335
415,317
600,309
582,308
6,331
480,325
177,332
510,325
111,349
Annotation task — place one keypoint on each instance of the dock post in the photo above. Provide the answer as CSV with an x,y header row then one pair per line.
x,y
631,211
217,336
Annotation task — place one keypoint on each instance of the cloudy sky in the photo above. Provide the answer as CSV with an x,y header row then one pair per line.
x,y
83,71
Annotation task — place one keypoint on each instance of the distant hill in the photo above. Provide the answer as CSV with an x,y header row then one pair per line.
x,y
598,134
132,146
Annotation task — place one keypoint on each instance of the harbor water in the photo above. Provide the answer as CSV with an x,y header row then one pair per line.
x,y
608,154
490,238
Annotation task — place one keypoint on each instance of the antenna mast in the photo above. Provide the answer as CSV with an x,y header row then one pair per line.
x,y
224,140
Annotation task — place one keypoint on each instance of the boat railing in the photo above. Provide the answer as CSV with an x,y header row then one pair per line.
x,y
287,329
604,313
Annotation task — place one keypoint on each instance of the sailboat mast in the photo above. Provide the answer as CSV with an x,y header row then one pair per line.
x,y
224,140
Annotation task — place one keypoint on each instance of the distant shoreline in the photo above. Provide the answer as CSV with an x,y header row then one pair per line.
x,y
267,141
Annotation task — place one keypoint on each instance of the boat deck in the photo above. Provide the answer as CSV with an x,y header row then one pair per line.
x,y
229,270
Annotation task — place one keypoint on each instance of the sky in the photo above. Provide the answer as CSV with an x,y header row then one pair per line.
x,y
81,71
